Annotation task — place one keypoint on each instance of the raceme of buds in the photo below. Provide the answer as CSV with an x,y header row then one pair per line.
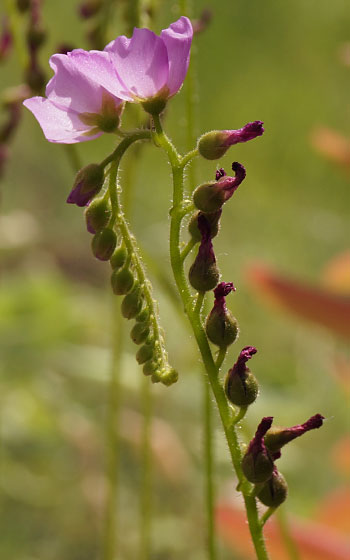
x,y
213,219
257,463
241,385
103,244
274,491
221,326
210,197
204,274
97,215
214,144
278,437
150,68
88,183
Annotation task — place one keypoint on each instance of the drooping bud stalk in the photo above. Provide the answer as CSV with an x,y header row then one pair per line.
x,y
277,437
213,220
210,197
221,326
214,144
241,385
204,274
257,463
274,491
87,184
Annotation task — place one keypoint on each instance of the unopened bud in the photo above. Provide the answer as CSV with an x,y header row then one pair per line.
x,y
143,316
89,8
214,222
103,244
139,332
122,281
119,257
277,437
35,77
87,184
214,144
145,353
210,197
166,376
149,367
97,215
241,385
274,491
257,463
204,274
221,326
36,36
132,303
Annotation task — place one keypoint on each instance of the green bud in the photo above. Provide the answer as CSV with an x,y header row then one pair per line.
x,y
257,468
103,244
168,376
213,220
97,215
36,36
132,303
150,367
221,327
211,144
241,390
274,491
143,316
208,197
139,332
145,353
119,257
122,281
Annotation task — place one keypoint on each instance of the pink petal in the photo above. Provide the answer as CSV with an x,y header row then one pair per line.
x,y
58,124
178,39
75,84
141,63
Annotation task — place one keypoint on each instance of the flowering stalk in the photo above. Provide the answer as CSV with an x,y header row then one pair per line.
x,y
179,209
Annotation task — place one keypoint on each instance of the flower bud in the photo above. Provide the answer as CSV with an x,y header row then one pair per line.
x,y
122,281
97,215
145,353
204,274
241,386
166,376
89,8
257,463
87,184
132,303
36,36
274,491
150,367
210,197
143,316
35,77
278,437
214,144
221,326
139,332
214,222
119,257
103,244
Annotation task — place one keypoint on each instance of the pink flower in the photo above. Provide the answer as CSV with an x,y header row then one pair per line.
x,y
81,99
152,67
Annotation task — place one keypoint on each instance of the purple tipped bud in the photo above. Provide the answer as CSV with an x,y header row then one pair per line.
x,y
241,386
210,197
221,326
204,274
257,463
278,437
214,222
87,184
214,144
220,173
274,491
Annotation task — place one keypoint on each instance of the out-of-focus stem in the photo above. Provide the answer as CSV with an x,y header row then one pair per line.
x,y
290,545
146,476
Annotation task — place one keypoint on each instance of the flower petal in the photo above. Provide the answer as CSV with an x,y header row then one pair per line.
x,y
78,79
178,39
58,124
141,64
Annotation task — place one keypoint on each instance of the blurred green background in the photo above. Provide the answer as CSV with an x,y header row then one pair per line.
x,y
279,62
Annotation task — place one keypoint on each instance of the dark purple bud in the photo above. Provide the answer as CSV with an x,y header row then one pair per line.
x,y
241,386
204,274
64,48
221,326
87,184
220,173
244,134
209,197
214,144
257,463
5,40
278,437
213,219
201,24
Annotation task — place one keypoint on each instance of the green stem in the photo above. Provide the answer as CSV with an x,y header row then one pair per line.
x,y
112,441
287,538
240,415
270,511
187,249
221,356
226,415
209,470
199,303
146,481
